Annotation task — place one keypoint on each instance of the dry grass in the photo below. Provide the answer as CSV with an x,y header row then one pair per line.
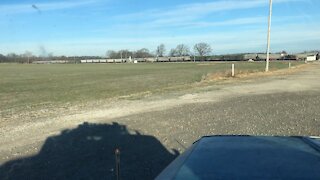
x,y
33,88
240,74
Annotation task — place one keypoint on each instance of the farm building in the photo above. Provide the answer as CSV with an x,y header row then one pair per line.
x,y
104,61
276,56
140,59
248,57
93,61
162,59
311,58
302,56
173,59
52,62
308,56
271,56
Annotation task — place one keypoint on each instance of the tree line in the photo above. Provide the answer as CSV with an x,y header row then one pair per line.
x,y
28,57
200,50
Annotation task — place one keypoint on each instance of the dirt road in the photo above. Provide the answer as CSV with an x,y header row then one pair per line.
x,y
152,131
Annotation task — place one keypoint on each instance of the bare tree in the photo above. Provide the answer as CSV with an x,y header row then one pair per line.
x,y
182,50
126,53
12,57
27,55
112,54
3,58
161,50
143,53
202,49
173,52
50,55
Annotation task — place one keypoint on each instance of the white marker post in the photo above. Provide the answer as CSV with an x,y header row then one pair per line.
x,y
289,65
232,70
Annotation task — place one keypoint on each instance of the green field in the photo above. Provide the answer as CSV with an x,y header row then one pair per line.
x,y
25,86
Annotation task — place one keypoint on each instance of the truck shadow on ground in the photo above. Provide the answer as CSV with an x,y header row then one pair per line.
x,y
88,152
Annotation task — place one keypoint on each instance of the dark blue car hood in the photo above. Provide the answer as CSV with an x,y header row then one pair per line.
x,y
248,157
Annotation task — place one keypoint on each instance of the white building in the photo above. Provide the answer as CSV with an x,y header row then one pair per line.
x,y
311,57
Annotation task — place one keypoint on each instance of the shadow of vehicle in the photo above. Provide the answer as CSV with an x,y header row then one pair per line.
x,y
88,152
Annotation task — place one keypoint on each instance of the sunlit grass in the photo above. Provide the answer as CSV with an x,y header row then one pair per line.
x,y
37,86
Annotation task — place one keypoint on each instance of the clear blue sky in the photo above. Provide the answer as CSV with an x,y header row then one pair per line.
x,y
91,27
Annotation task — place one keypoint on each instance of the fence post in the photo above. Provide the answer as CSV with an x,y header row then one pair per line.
x,y
232,70
289,65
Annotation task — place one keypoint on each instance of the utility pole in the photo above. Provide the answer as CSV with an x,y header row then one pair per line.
x,y
269,29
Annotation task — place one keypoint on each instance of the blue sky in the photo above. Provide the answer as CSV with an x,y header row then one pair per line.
x,y
91,27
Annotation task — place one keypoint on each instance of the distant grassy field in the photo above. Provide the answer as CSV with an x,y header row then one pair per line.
x,y
37,86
